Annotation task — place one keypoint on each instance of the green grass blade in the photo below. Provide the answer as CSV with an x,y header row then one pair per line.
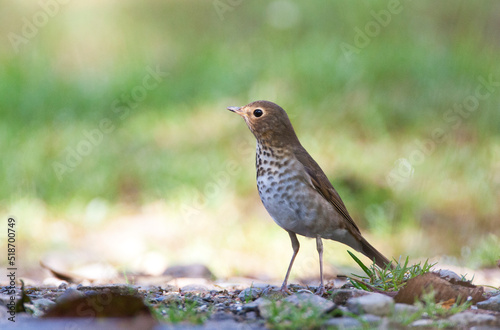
x,y
365,269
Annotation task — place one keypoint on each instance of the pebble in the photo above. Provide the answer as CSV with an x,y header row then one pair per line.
x,y
170,297
221,316
250,294
492,304
344,323
405,309
70,294
448,275
302,299
273,293
341,296
40,306
375,304
371,319
254,305
43,304
195,288
422,323
472,319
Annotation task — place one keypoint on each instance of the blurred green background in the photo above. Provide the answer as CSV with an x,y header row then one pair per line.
x,y
115,142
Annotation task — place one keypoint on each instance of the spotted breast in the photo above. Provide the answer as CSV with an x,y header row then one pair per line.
x,y
283,189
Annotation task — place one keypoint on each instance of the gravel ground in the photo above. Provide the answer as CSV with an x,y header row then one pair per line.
x,y
204,304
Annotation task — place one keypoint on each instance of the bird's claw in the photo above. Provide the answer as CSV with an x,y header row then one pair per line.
x,y
284,289
321,291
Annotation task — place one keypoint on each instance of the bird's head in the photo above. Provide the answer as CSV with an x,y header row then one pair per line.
x,y
268,122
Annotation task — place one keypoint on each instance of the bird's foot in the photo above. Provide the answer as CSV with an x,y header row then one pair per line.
x,y
321,290
284,289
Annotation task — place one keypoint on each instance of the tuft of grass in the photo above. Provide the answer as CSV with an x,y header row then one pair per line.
x,y
428,308
286,315
433,310
249,296
386,279
177,312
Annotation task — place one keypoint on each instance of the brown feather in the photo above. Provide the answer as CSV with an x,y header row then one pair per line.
x,y
325,188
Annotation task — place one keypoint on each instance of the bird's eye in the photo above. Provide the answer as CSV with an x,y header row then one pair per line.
x,y
258,112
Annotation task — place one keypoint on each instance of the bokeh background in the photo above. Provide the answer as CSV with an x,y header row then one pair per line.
x,y
116,147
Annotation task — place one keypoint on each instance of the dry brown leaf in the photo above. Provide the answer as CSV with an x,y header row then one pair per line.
x,y
103,304
444,290
448,303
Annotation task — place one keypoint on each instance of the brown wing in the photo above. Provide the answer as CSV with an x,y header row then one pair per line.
x,y
325,188
323,185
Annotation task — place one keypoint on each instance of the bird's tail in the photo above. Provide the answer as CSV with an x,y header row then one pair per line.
x,y
368,250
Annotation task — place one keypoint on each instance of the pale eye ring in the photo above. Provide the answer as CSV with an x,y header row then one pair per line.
x,y
258,112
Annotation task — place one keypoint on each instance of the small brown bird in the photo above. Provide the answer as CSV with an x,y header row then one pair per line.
x,y
295,190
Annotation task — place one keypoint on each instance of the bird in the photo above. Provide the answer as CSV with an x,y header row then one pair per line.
x,y
294,189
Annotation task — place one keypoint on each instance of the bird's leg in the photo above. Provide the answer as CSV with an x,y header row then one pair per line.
x,y
319,246
295,246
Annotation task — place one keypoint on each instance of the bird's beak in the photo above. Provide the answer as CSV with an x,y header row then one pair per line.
x,y
235,109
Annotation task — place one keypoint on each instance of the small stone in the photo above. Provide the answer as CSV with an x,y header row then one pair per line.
x,y
195,288
251,316
471,319
343,323
492,304
43,304
305,291
297,287
422,323
40,306
341,296
448,274
302,299
63,286
250,294
217,325
375,303
405,309
371,319
254,305
273,293
221,316
69,294
170,298
168,288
